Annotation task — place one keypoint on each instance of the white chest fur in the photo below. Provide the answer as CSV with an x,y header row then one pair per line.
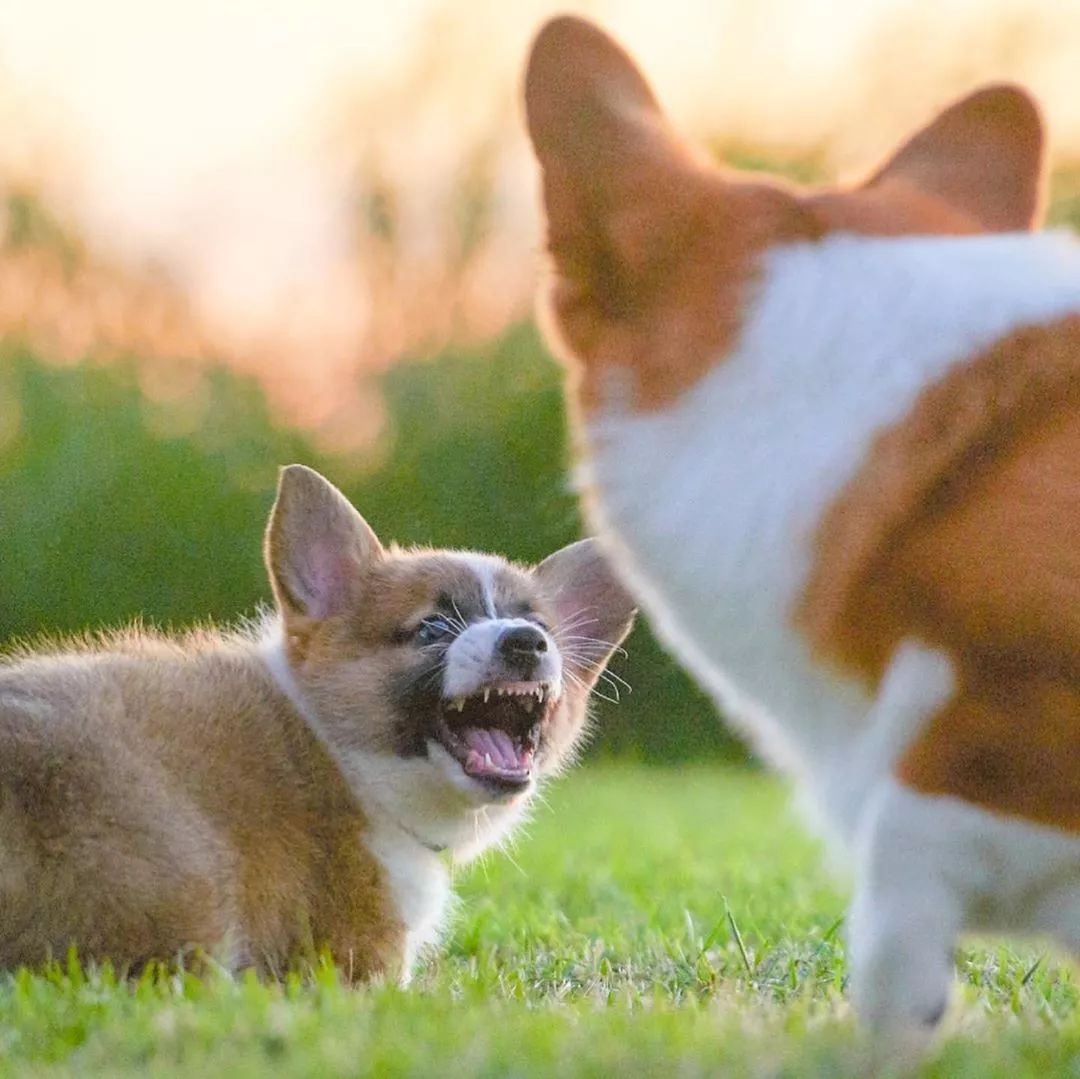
x,y
715,500
419,888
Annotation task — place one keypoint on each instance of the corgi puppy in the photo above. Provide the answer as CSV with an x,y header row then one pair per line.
x,y
832,440
262,796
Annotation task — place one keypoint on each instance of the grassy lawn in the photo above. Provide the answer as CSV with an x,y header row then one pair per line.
x,y
651,922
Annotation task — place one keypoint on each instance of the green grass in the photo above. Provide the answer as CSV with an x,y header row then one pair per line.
x,y
651,922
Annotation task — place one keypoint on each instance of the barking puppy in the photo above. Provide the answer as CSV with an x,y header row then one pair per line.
x,y
263,796
833,441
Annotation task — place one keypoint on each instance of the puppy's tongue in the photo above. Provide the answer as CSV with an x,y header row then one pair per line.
x,y
492,753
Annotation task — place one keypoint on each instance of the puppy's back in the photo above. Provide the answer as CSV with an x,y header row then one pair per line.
x,y
155,793
97,844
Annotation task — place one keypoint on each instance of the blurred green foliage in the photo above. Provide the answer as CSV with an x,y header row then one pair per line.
x,y
109,514
116,506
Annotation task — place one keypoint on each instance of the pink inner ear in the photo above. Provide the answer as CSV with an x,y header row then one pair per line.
x,y
590,606
323,579
576,606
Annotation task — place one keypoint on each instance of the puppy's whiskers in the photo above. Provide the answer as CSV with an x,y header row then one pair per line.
x,y
571,662
576,621
459,621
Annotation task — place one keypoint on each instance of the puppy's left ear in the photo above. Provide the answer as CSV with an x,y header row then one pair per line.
x,y
318,549
593,611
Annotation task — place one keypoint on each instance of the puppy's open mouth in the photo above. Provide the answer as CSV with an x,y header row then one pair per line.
x,y
494,733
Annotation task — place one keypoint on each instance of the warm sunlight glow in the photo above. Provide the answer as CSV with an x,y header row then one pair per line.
x,y
321,186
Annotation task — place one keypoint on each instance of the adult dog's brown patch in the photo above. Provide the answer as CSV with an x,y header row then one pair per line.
x,y
962,528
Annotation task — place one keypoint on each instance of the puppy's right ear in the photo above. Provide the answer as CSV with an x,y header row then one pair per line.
x,y
317,548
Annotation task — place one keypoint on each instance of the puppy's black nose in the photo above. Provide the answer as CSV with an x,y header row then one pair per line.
x,y
522,647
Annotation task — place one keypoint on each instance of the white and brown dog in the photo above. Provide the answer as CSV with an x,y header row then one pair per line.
x,y
262,796
832,439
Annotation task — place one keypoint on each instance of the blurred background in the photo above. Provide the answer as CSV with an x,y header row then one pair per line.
x,y
235,234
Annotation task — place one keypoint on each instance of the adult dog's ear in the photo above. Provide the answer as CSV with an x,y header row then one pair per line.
x,y
613,172
317,549
593,611
984,156
653,247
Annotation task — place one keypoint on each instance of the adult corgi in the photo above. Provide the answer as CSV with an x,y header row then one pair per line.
x,y
832,440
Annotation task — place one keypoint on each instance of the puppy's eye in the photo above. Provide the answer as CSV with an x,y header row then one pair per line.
x,y
432,629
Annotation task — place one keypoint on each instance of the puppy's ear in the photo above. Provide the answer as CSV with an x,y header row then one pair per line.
x,y
317,548
984,156
593,612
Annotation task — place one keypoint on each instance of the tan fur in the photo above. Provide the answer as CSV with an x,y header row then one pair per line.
x,y
162,795
158,795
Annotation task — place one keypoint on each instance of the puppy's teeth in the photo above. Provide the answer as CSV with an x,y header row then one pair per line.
x,y
487,693
527,704
540,694
457,704
487,759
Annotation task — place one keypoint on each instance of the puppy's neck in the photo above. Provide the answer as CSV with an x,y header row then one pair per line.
x,y
394,800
